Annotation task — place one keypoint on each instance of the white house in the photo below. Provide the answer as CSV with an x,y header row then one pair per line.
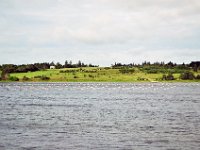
x,y
52,67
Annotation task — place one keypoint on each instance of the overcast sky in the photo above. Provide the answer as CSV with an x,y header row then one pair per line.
x,y
99,31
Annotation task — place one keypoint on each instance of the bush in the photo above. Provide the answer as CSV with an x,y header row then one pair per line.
x,y
107,68
25,78
90,76
13,78
75,77
37,76
141,79
168,77
126,70
187,76
68,71
44,78
198,77
152,71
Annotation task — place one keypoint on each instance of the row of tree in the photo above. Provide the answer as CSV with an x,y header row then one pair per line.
x,y
12,68
145,63
195,65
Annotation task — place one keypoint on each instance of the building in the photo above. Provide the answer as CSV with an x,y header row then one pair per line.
x,y
52,67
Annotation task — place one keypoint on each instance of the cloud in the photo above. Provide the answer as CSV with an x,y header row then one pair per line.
x,y
111,27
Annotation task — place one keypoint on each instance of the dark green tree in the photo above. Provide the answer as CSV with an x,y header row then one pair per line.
x,y
66,65
52,64
79,64
58,65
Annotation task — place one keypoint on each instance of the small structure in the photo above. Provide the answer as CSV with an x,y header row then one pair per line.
x,y
52,67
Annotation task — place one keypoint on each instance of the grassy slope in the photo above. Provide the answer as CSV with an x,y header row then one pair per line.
x,y
91,74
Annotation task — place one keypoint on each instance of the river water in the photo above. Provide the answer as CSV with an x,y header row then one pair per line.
x,y
138,116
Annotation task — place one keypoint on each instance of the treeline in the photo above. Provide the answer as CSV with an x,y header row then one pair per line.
x,y
12,68
69,64
195,65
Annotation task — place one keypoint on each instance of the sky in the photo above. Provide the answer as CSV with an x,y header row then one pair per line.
x,y
100,32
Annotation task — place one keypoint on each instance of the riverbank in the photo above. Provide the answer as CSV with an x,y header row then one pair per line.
x,y
96,74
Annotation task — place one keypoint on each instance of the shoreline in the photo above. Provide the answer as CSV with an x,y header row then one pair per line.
x,y
175,81
90,74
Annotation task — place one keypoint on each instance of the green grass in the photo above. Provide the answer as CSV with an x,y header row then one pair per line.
x,y
91,74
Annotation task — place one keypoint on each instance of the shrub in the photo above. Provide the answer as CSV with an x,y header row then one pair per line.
x,y
90,76
187,76
198,77
126,70
44,78
37,76
25,78
75,77
168,77
13,78
152,71
141,79
178,70
107,68
68,71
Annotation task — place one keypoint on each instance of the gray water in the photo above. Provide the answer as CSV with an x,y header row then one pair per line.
x,y
140,116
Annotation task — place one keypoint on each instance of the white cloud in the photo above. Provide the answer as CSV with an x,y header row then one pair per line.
x,y
100,26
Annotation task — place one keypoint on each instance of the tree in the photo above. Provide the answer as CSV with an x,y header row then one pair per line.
x,y
66,64
195,68
194,63
9,68
58,65
145,63
170,64
70,62
52,64
42,66
187,76
79,64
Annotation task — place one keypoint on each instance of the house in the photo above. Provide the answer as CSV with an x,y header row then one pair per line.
x,y
52,67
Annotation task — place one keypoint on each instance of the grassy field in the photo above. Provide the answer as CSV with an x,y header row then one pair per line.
x,y
91,74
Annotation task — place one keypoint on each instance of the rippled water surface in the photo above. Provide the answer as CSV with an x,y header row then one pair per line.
x,y
140,116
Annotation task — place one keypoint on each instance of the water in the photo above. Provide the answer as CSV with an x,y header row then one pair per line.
x,y
140,116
